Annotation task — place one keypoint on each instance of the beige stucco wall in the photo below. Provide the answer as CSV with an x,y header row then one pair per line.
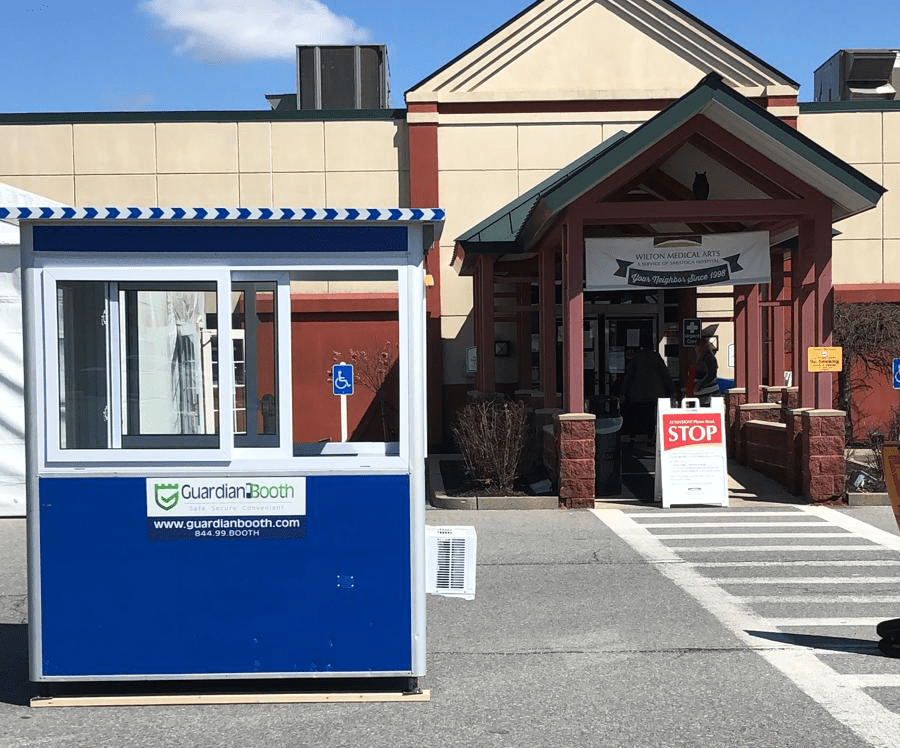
x,y
864,251
256,164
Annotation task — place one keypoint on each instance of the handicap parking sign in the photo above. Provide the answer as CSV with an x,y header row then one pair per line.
x,y
897,373
342,379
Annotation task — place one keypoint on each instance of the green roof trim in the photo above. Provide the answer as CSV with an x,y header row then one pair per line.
x,y
237,115
515,227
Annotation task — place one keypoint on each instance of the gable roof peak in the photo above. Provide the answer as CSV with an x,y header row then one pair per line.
x,y
549,51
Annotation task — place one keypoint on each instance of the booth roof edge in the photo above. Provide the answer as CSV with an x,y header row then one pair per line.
x,y
155,213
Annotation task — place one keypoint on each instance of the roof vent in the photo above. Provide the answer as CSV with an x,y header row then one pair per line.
x,y
859,75
342,77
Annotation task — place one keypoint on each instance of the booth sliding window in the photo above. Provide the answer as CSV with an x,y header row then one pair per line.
x,y
138,365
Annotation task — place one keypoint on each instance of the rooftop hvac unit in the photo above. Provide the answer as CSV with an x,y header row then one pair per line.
x,y
342,77
859,75
450,561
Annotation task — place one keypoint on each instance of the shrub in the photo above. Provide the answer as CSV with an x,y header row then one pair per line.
x,y
870,477
490,434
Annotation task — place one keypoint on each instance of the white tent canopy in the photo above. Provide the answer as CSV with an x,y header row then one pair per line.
x,y
12,420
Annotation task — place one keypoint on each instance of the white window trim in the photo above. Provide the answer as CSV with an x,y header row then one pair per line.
x,y
128,274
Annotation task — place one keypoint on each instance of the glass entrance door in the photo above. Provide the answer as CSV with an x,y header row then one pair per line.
x,y
625,336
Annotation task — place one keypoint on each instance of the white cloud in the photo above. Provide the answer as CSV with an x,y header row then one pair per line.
x,y
251,29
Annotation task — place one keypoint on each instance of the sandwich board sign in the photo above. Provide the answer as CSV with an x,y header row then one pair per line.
x,y
890,455
691,462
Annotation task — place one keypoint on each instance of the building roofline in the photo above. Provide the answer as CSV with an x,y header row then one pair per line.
x,y
236,115
869,105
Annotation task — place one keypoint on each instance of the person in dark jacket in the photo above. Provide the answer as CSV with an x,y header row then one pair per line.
x,y
646,380
706,382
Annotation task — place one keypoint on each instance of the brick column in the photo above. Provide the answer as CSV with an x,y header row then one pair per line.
x,y
823,451
575,434
772,394
734,399
790,400
794,464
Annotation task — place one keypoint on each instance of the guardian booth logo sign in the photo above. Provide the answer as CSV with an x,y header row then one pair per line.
x,y
166,495
226,508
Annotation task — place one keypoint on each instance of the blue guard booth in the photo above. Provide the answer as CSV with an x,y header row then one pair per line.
x,y
195,509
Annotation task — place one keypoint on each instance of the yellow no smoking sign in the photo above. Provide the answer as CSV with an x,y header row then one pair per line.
x,y
825,359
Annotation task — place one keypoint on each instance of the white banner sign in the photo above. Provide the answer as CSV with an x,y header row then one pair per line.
x,y
648,262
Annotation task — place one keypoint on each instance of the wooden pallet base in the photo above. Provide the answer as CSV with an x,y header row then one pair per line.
x,y
228,698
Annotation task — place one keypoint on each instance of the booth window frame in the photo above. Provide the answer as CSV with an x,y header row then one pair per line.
x,y
118,450
226,278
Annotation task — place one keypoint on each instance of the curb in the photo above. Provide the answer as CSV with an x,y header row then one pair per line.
x,y
439,499
868,499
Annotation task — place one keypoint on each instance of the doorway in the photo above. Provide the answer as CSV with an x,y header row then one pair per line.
x,y
623,337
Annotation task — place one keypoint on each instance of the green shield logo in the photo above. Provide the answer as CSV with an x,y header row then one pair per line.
x,y
166,495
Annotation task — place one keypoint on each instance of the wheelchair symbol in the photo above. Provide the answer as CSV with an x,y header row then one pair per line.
x,y
342,379
897,373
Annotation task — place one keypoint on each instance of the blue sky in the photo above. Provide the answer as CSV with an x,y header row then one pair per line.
x,y
96,55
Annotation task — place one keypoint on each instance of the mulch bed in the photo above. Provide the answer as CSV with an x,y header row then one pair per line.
x,y
458,483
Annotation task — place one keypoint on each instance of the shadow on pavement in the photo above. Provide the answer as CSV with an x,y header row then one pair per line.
x,y
15,688
813,641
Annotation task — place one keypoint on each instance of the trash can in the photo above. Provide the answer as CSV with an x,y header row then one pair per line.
x,y
607,446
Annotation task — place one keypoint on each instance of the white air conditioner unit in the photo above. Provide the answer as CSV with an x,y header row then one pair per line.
x,y
450,561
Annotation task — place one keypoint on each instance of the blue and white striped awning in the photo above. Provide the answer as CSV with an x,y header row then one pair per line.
x,y
372,215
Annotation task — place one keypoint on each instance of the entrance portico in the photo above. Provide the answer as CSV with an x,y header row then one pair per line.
x,y
761,176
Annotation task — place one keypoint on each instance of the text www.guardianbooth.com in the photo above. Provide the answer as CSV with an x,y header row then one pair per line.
x,y
230,527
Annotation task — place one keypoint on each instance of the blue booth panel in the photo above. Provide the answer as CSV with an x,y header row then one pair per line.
x,y
117,602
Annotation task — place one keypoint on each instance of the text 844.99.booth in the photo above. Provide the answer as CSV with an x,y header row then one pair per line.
x,y
203,503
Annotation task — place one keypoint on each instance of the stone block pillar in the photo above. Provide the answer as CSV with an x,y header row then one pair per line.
x,y
793,477
575,434
823,450
790,400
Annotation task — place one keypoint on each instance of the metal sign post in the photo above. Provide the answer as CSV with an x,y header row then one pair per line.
x,y
342,385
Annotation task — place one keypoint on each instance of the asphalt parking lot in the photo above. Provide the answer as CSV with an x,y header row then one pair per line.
x,y
575,638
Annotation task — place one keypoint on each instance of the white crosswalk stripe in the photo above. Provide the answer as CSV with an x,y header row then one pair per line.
x,y
809,580
804,641
768,548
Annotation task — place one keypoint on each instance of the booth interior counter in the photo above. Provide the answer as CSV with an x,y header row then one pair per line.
x,y
203,502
